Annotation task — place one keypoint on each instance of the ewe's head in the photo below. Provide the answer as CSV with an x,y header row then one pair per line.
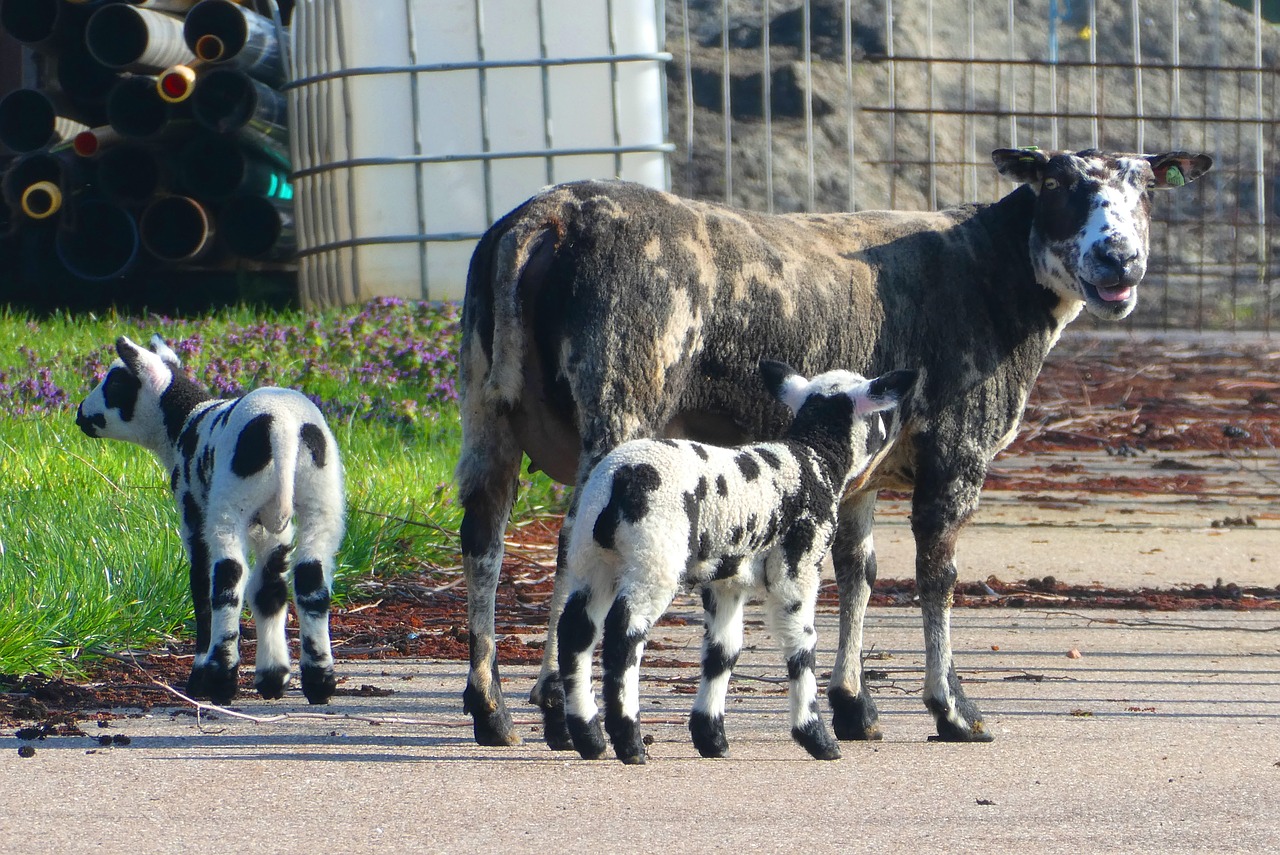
x,y
130,403
1089,235
845,405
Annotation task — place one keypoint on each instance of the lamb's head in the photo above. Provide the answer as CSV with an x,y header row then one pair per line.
x,y
140,397
843,407
1089,234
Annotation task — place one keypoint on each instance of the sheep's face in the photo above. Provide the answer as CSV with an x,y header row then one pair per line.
x,y
844,399
127,404
1089,236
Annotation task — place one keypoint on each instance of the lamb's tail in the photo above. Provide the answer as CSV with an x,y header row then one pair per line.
x,y
285,445
507,265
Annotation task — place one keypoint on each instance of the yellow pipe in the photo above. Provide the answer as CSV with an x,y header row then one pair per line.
x,y
41,200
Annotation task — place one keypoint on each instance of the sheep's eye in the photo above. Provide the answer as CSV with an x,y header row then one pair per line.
x,y
1051,184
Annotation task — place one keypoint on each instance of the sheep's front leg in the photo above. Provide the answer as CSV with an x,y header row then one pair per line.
x,y
939,510
854,713
268,595
579,630
226,538
790,614
721,644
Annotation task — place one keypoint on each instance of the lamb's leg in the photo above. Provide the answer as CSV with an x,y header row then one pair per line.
x,y
579,628
790,617
487,474
626,629
226,536
854,713
201,594
721,644
320,517
268,595
940,508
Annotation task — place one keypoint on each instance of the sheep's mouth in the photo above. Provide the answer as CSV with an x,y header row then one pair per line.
x,y
1112,302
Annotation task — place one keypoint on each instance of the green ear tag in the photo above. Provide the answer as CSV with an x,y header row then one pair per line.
x,y
1173,177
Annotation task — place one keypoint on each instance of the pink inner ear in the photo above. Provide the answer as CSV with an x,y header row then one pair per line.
x,y
157,374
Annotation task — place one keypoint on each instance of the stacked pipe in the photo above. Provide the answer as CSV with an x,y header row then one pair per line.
x,y
157,134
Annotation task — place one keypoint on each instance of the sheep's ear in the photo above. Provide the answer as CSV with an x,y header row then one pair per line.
x,y
784,383
143,364
886,391
1175,168
161,349
1025,165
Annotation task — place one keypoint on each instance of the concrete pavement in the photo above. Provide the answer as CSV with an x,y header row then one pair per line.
x,y
1163,736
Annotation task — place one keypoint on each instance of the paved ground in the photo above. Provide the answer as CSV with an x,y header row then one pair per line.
x,y
1163,736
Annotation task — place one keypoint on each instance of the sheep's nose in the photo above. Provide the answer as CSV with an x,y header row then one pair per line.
x,y
89,424
1111,266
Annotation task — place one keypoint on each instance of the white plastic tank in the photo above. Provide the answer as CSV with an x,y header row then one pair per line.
x,y
418,123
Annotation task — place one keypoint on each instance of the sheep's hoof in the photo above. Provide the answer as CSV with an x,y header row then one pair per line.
x,y
554,727
708,734
270,682
633,759
628,743
815,739
854,717
949,731
587,736
318,683
491,722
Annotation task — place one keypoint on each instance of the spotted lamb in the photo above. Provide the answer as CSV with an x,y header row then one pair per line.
x,y
655,513
242,472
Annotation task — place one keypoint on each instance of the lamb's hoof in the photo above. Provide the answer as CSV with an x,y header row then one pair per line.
x,y
198,684
271,682
223,683
854,717
961,722
587,736
628,744
318,683
633,759
817,740
491,722
554,727
708,734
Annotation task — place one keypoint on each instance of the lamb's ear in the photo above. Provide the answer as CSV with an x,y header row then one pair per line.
x,y
161,349
1025,165
784,383
143,364
886,391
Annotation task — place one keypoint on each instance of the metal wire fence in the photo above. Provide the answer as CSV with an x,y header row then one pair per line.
x,y
839,105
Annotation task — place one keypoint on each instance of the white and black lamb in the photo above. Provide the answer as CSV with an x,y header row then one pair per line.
x,y
242,471
656,513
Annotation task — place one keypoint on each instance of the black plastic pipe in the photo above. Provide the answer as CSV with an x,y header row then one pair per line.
x,y
63,169
259,228
136,110
224,32
44,25
177,228
228,101
132,173
29,121
216,168
97,240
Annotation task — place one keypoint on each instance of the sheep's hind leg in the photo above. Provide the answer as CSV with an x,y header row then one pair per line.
x,y
721,644
201,594
579,628
548,692
791,622
227,539
853,712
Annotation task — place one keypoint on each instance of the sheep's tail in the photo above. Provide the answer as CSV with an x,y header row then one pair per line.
x,y
285,447
493,328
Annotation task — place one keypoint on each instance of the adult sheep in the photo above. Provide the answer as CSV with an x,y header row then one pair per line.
x,y
601,311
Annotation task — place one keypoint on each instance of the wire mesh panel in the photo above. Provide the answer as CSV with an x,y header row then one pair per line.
x,y
821,105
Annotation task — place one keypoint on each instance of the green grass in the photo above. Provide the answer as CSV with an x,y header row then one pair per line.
x,y
90,557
